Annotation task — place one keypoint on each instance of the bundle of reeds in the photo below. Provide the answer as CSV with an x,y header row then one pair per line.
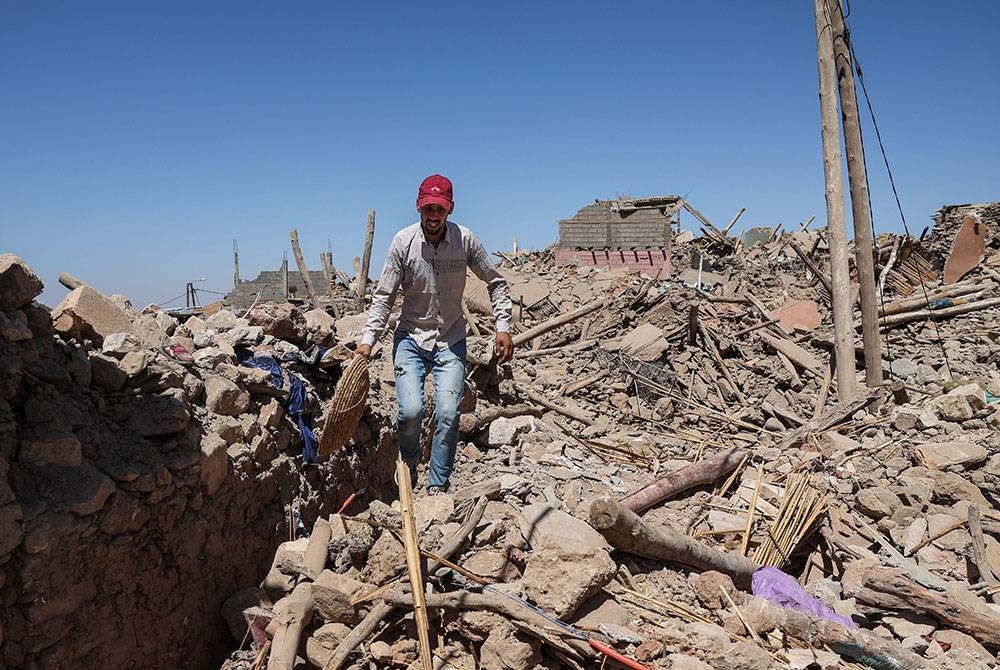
x,y
346,408
801,507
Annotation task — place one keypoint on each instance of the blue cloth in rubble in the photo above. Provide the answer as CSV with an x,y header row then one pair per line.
x,y
296,404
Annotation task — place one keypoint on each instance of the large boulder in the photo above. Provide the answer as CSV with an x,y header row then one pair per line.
x,y
18,284
279,319
86,313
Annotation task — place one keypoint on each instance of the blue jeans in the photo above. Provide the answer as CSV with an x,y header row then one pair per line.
x,y
448,367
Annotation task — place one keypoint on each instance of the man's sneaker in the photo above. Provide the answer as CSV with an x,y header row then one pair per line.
x,y
436,490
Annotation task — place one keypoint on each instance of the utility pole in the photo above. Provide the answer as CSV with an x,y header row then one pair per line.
x,y
236,264
856,173
833,174
284,274
366,261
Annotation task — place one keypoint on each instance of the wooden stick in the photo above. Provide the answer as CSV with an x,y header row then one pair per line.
x,y
725,231
979,556
303,270
709,337
581,384
579,415
688,477
750,513
358,634
538,625
413,563
626,531
576,346
366,259
557,321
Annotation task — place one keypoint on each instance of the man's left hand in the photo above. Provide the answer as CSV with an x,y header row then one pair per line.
x,y
503,349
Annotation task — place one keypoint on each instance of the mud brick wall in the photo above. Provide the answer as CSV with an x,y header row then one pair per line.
x,y
137,495
271,286
597,227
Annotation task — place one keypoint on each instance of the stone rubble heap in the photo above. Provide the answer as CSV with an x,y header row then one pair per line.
x,y
653,443
660,378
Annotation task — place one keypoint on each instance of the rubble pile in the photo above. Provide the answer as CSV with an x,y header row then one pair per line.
x,y
145,474
665,477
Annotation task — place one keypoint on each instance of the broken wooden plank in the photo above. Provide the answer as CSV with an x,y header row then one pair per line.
x,y
795,354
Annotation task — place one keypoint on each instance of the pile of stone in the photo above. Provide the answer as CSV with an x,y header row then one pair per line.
x,y
137,488
655,441
714,387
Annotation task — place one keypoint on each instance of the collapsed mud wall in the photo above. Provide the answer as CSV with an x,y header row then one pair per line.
x,y
137,494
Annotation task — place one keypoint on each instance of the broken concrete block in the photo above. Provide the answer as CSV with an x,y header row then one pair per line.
x,y
904,368
119,345
952,408
544,527
224,397
504,431
794,314
877,502
645,343
559,581
939,455
279,319
320,324
105,372
332,594
968,249
506,650
973,394
85,313
18,284
432,509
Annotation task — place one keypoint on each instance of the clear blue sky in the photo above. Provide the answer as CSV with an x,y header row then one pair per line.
x,y
138,140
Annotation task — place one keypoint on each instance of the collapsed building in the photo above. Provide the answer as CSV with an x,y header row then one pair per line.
x,y
664,477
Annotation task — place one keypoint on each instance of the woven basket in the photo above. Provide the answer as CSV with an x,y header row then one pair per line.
x,y
346,408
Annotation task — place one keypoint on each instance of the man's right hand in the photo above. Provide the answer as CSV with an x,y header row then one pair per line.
x,y
365,350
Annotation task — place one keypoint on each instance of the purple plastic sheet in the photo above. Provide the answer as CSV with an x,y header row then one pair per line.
x,y
775,586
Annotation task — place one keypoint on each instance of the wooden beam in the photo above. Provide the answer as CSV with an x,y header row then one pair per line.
x,y
303,270
367,258
557,321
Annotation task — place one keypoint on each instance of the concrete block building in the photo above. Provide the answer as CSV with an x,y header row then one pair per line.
x,y
627,232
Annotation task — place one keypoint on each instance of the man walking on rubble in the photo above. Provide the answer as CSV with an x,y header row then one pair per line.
x,y
428,261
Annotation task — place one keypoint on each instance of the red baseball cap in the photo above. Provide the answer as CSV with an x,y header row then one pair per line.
x,y
435,190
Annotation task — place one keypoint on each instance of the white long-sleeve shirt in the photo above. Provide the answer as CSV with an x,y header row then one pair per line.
x,y
432,279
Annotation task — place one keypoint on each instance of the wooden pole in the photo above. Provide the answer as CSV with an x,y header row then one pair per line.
x,y
626,531
303,270
840,279
366,259
413,564
557,321
236,264
284,276
856,173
